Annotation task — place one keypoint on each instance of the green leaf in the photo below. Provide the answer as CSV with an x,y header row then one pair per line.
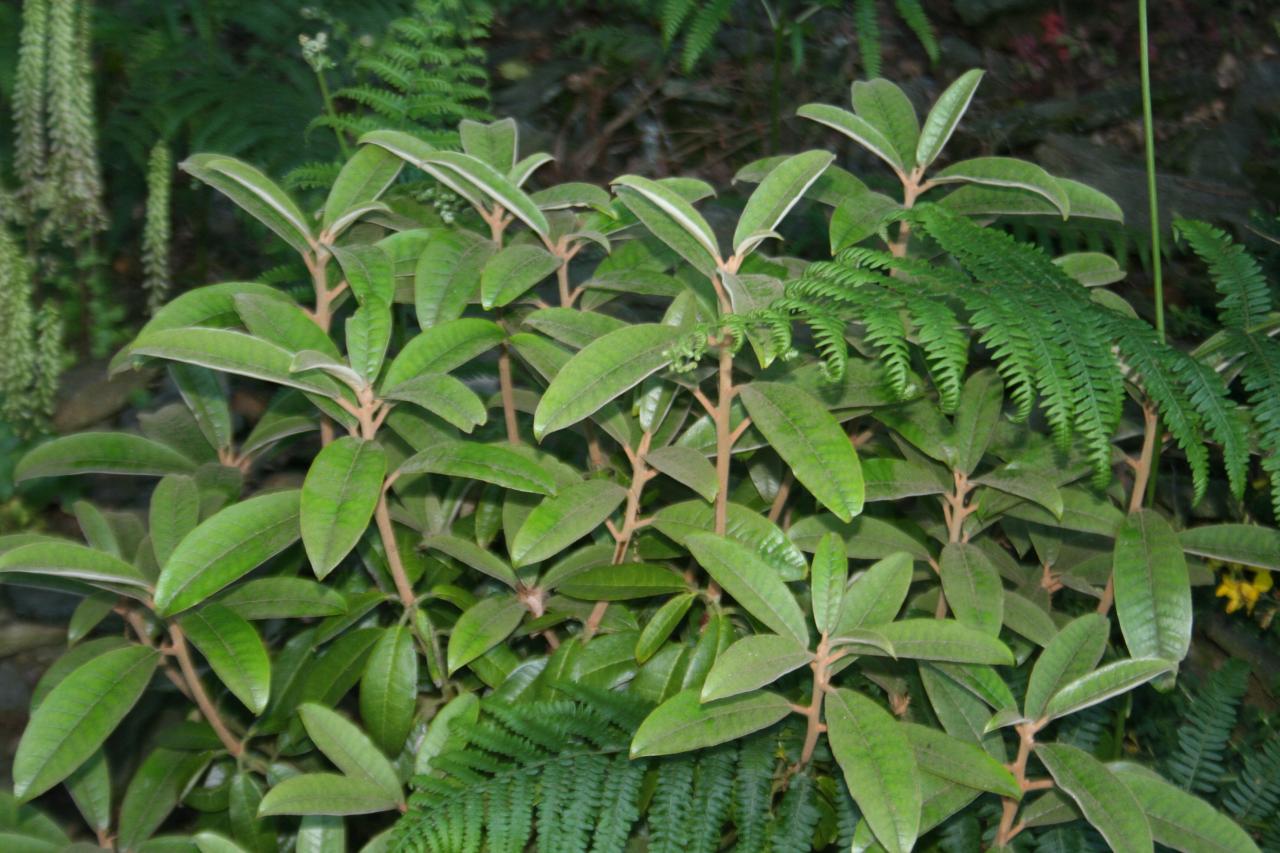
x,y
1105,801
875,596
493,142
1027,483
257,194
776,195
1248,544
367,269
1092,269
830,574
1071,654
175,512
362,179
72,722
752,582
101,453
859,216
499,464
571,194
746,526
321,834
447,275
661,624
623,582
481,627
687,466
810,441
945,115
683,723
950,758
672,219
232,352
90,788
1180,820
155,790
1085,202
751,663
389,689
1103,683
512,272
1008,172
472,555
339,495
976,418
225,547
571,326
325,794
972,586
463,709
70,561
982,681
865,538
443,396
856,128
559,521
879,767
349,749
442,348
202,391
283,598
368,336
89,614
601,371
234,651
888,109
1152,588
944,640
1026,617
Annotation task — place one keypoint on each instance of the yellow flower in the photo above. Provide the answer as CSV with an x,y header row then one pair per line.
x,y
1243,593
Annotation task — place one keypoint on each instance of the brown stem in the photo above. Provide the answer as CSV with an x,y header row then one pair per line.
x,y
1026,742
640,474
508,395
202,700
821,665
911,190
780,499
562,280
382,515
724,435
136,621
1146,457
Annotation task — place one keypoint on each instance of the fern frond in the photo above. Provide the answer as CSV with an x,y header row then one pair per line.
x,y
913,15
868,30
1197,764
1254,798
1246,298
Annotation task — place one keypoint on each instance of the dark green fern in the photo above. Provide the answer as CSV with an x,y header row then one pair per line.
x,y
1198,762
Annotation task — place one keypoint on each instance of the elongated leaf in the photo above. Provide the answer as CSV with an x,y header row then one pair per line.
x,y
71,561
256,193
571,326
1086,202
442,348
1026,617
688,466
227,546
777,194
676,210
879,767
447,275
90,789
349,749
490,463
202,391
362,179
339,494
283,598
389,689
972,586
234,650
1180,820
559,521
1105,801
101,453
661,624
940,754
78,715
481,627
623,582
682,723
856,128
875,596
1248,544
810,441
175,511
751,582
512,272
746,526
1008,172
982,681
325,794
443,396
601,371
830,575
945,115
1152,588
232,352
321,834
494,142
751,663
1071,654
470,554
155,790
1101,684
888,109
944,640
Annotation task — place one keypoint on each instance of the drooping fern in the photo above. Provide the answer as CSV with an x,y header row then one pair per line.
x,y
1246,347
1048,338
1198,762
556,773
1254,798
